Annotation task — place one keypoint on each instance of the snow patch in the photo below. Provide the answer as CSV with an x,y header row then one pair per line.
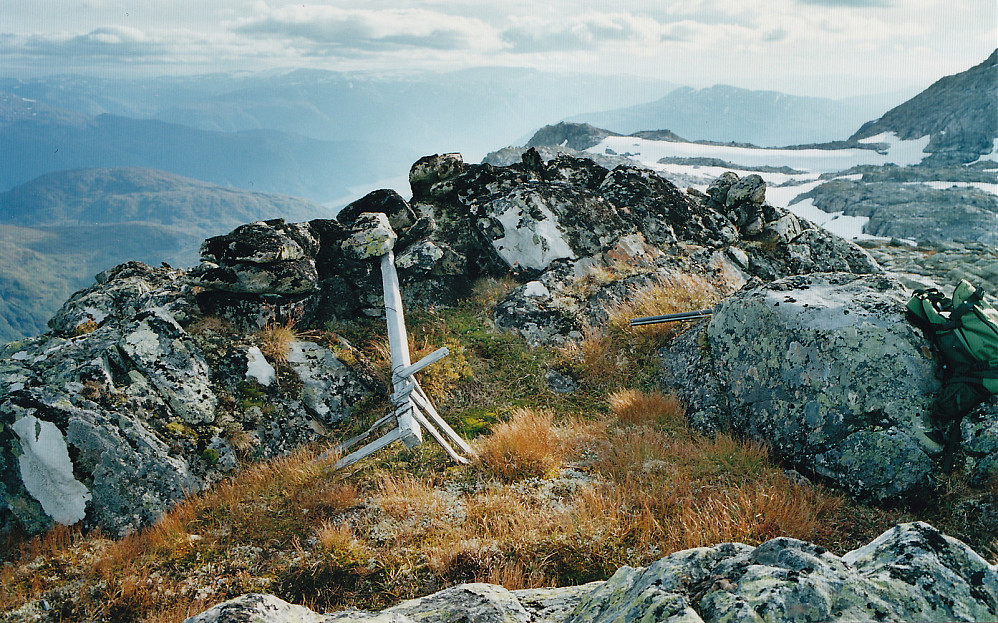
x,y
47,472
649,152
848,227
529,241
901,153
990,156
258,368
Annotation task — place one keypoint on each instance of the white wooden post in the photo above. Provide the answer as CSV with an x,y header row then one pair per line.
x,y
408,400
398,343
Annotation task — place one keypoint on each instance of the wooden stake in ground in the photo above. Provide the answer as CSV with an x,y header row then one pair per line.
x,y
412,410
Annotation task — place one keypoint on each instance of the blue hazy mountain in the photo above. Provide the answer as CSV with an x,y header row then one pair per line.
x,y
60,229
37,138
730,114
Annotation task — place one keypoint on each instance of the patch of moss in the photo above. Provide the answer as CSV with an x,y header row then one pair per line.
x,y
210,456
180,430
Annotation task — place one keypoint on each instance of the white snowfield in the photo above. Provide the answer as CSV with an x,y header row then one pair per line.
x,y
810,162
649,152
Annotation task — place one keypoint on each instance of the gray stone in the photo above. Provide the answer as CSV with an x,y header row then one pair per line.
x,y
330,386
159,349
544,223
121,292
257,608
431,258
388,202
553,605
371,236
256,243
979,442
784,230
560,383
825,370
430,170
289,277
113,425
749,189
482,603
927,575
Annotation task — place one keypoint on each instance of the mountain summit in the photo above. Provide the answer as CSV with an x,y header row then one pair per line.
x,y
959,112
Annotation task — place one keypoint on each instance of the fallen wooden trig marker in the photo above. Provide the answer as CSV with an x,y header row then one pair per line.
x,y
412,410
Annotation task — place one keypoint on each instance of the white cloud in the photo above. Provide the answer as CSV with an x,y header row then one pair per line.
x,y
338,30
830,47
585,32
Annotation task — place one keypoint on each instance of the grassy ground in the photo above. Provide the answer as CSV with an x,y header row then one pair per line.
x,y
564,490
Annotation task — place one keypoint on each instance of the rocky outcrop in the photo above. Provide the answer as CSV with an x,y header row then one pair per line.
x,y
979,443
153,382
910,573
913,211
826,371
959,112
135,399
938,264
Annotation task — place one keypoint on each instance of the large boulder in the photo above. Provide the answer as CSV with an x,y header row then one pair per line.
x,y
134,400
910,573
826,371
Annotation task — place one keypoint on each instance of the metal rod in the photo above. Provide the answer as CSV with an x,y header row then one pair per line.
x,y
690,315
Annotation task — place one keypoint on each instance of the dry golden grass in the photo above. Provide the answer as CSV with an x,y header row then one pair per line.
x,y
651,409
488,291
672,294
645,486
528,444
613,355
210,324
275,342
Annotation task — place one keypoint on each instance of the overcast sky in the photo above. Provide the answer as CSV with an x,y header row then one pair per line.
x,y
814,47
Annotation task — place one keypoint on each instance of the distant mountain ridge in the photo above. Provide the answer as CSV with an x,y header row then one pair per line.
x,y
36,138
60,229
730,114
959,112
101,196
469,110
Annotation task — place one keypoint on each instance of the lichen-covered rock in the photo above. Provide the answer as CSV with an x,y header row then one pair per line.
x,y
926,575
912,572
329,385
159,349
371,236
485,603
121,293
979,442
263,242
113,421
257,608
386,201
429,171
297,276
541,223
662,212
825,370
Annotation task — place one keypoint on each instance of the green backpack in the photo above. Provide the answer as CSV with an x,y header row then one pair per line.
x,y
965,331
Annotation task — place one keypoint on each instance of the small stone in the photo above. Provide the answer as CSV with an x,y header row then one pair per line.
x,y
371,236
560,383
